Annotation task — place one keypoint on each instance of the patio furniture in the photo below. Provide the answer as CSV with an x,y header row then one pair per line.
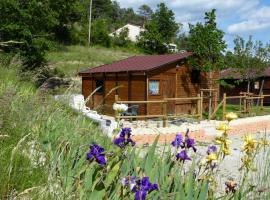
x,y
132,111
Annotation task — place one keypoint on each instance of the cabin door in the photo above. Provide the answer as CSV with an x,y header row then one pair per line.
x,y
169,92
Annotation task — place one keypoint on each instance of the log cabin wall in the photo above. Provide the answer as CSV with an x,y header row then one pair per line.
x,y
114,84
242,87
178,80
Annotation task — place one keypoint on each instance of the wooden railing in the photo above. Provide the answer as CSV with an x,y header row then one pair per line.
x,y
245,103
164,102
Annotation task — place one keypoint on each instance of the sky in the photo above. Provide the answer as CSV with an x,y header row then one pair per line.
x,y
234,17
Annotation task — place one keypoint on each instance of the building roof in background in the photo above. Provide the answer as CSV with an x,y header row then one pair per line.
x,y
232,73
138,63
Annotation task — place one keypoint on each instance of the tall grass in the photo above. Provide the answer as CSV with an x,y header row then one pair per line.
x,y
68,60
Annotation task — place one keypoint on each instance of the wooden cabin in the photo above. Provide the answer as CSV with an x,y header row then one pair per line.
x,y
236,84
146,78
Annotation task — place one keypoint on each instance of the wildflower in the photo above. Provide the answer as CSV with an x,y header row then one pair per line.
x,y
143,187
247,163
189,142
249,143
120,107
129,181
178,142
223,127
211,157
231,116
96,152
264,142
211,149
231,186
182,156
124,138
225,144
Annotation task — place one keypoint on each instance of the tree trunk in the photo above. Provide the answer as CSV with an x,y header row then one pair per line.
x,y
248,86
261,91
210,94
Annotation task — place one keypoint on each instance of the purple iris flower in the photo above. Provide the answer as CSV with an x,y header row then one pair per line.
x,y
182,156
178,141
125,132
231,186
143,187
189,142
96,152
211,149
124,138
129,181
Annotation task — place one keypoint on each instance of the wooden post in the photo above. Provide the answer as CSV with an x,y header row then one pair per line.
x,y
199,106
224,107
164,112
201,103
262,97
245,103
116,99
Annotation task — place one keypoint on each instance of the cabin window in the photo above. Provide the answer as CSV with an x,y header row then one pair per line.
x,y
154,87
256,85
195,76
100,85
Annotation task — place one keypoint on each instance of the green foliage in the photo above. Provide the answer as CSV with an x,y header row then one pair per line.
x,y
207,43
160,30
100,34
121,39
249,59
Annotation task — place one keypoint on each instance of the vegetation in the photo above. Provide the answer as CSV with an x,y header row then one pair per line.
x,y
249,59
207,43
69,60
160,30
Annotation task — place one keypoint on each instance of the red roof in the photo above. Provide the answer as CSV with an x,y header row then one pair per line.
x,y
138,63
232,73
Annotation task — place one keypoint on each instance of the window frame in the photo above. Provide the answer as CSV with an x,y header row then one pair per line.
x,y
159,92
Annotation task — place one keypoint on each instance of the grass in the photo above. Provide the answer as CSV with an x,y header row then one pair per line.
x,y
33,125
256,111
69,60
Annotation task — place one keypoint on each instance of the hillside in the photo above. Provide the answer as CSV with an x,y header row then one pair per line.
x,y
68,60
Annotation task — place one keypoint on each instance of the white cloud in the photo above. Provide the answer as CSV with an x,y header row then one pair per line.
x,y
253,21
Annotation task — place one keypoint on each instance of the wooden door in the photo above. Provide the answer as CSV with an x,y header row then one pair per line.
x,y
169,92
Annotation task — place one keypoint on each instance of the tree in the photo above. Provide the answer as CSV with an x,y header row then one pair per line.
x,y
207,43
249,59
100,33
145,12
160,30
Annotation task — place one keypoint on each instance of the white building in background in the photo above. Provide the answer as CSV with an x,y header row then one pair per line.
x,y
133,31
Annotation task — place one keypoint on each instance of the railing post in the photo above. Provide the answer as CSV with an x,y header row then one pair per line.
x,y
199,106
262,97
164,112
224,106
115,112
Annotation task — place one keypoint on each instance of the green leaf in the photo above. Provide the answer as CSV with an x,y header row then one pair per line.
x,y
113,174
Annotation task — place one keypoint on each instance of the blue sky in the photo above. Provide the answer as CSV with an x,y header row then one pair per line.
x,y
234,17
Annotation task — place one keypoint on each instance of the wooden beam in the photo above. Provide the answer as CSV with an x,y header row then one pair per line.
x,y
129,86
140,116
140,102
116,82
